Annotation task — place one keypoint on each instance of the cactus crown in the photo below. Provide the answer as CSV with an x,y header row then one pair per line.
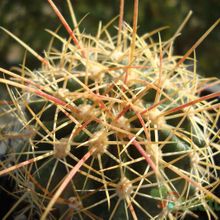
x,y
119,131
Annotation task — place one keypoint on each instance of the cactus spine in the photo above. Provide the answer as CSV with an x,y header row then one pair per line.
x,y
119,131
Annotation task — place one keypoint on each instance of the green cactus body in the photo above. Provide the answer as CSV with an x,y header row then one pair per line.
x,y
115,158
124,115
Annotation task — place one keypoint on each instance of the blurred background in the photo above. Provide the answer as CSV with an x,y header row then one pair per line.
x,y
28,20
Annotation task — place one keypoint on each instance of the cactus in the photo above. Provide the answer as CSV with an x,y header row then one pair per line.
x,y
116,127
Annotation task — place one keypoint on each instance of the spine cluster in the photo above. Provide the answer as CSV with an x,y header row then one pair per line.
x,y
114,135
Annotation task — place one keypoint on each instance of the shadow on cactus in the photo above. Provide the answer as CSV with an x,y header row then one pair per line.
x,y
113,128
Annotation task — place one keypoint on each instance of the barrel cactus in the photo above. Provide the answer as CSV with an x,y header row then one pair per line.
x,y
113,128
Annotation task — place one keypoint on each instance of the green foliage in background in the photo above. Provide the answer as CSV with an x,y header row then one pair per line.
x,y
120,114
28,20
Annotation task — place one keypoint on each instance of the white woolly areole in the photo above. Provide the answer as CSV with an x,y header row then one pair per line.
x,y
99,142
87,112
62,148
124,188
155,117
75,203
